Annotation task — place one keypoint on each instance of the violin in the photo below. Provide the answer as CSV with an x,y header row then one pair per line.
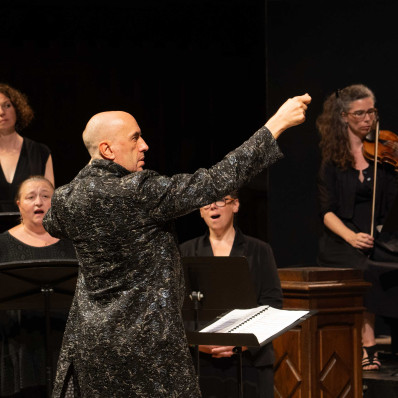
x,y
387,148
384,149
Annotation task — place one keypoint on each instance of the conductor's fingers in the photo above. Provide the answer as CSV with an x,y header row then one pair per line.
x,y
305,98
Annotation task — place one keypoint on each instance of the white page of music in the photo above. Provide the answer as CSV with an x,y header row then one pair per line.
x,y
232,320
263,322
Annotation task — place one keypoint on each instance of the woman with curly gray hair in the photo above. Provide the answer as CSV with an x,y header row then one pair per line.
x,y
346,192
20,157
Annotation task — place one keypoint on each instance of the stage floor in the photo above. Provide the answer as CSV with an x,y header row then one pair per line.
x,y
384,383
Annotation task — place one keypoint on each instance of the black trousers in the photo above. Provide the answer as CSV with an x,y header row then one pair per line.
x,y
218,379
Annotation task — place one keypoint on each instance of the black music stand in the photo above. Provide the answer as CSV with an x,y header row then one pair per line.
x,y
39,285
215,285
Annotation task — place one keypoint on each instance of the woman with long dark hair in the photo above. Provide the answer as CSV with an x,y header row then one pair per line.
x,y
346,192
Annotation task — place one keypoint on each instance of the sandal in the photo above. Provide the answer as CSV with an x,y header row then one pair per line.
x,y
371,358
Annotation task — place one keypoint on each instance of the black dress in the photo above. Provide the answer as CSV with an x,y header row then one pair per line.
x,y
218,375
32,161
22,346
125,335
341,192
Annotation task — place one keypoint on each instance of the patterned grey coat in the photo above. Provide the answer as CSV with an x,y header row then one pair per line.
x,y
125,336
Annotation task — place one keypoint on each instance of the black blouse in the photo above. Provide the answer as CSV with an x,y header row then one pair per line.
x,y
12,249
261,263
339,193
263,271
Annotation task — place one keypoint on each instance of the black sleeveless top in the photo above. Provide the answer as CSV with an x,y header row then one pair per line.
x,y
32,161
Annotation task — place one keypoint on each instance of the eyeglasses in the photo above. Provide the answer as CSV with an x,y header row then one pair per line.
x,y
219,203
360,115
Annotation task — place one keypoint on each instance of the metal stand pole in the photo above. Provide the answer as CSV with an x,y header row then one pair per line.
x,y
239,376
47,291
196,297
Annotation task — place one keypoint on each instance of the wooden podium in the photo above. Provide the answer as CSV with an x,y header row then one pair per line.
x,y
321,358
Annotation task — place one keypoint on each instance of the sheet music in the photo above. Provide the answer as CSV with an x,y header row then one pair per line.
x,y
264,322
270,322
232,319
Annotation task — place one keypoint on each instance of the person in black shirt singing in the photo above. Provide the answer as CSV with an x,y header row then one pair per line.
x,y
224,239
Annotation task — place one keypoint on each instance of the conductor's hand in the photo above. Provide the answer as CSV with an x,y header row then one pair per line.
x,y
217,351
291,113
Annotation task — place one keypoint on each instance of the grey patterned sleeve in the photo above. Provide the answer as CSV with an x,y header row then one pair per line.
x,y
170,197
50,221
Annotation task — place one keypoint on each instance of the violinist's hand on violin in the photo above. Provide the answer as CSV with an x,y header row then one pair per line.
x,y
361,240
290,114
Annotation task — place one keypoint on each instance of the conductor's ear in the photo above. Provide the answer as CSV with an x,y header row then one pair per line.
x,y
106,151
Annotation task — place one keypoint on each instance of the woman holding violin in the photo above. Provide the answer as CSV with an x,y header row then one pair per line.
x,y
346,192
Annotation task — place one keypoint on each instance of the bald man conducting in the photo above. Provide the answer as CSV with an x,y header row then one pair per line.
x,y
125,336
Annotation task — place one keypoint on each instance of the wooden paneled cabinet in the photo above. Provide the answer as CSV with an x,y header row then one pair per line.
x,y
321,358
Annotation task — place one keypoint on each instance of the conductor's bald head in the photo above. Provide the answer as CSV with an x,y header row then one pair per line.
x,y
115,136
102,126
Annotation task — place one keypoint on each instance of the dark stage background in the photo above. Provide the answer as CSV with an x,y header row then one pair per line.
x,y
200,77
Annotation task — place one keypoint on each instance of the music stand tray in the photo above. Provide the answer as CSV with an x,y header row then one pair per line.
x,y
39,285
213,286
225,283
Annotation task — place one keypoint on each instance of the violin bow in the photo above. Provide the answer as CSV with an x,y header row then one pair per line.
x,y
374,176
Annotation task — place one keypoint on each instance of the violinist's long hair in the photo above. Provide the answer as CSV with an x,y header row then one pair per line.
x,y
335,145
